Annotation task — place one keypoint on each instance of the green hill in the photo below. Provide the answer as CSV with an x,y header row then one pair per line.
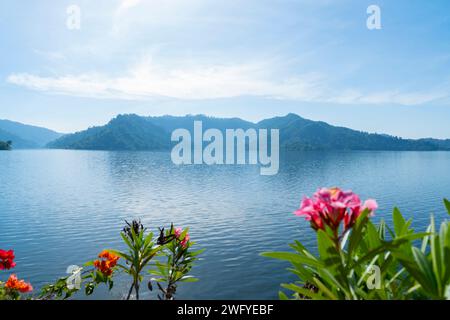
x,y
132,132
301,134
125,132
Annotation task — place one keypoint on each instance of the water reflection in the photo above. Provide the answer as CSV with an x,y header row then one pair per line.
x,y
62,207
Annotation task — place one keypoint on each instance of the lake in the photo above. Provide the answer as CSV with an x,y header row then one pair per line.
x,y
59,208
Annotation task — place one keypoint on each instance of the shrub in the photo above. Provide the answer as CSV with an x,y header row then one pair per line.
x,y
13,288
141,257
358,260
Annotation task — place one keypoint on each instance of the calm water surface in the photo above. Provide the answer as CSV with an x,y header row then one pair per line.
x,y
59,208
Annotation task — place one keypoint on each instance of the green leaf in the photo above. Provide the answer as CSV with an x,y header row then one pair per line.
x,y
89,288
344,240
411,267
444,237
282,296
302,291
426,269
425,240
399,221
326,246
196,253
411,237
373,236
324,289
148,240
155,272
331,281
300,246
447,205
357,234
371,254
435,250
304,273
293,258
127,241
382,229
188,279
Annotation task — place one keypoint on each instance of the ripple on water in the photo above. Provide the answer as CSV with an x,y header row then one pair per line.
x,y
62,207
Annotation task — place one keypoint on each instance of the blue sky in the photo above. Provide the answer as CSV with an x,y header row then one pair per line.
x,y
252,59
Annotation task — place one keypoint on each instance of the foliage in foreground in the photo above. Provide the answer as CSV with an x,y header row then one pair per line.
x,y
359,260
168,257
13,288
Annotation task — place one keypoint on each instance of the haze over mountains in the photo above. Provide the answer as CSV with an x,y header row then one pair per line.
x,y
133,132
26,136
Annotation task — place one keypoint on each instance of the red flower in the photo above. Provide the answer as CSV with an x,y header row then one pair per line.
x,y
15,284
184,242
107,263
333,206
7,259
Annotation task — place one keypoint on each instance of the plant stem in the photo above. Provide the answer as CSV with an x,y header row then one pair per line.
x,y
136,287
131,290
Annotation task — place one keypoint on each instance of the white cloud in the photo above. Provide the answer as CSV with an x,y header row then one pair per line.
x,y
147,80
387,97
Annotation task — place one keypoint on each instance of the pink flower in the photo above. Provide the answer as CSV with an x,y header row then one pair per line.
x,y
370,204
185,241
333,206
178,232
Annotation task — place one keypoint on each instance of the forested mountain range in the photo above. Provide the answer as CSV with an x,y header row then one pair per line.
x,y
133,132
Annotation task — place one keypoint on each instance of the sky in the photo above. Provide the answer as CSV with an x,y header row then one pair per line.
x,y
252,59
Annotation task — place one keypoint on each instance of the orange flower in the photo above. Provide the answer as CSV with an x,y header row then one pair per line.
x,y
15,284
108,256
108,262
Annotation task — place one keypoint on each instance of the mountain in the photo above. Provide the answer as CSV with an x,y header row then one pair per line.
x,y
301,134
26,136
125,132
170,123
132,132
17,142
443,144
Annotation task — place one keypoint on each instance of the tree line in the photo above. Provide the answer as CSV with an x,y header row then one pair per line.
x,y
5,145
